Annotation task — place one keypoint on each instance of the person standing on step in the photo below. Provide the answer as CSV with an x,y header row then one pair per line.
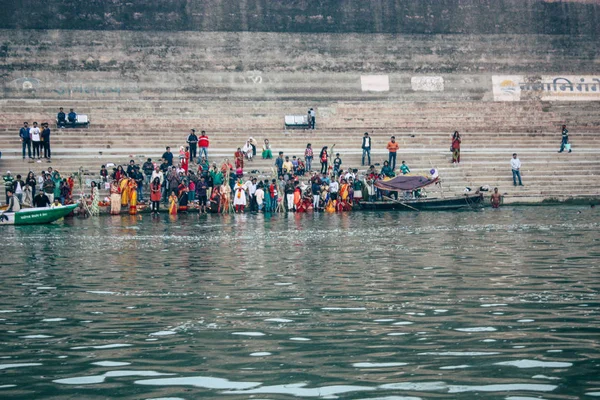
x,y
324,157
565,140
168,156
392,147
308,157
192,141
515,164
148,168
455,147
203,143
36,140
366,148
46,141
25,139
312,116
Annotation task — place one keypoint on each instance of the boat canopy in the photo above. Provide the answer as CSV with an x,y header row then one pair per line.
x,y
405,182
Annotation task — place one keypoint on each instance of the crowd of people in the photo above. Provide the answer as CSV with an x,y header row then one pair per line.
x,y
223,187
47,189
178,182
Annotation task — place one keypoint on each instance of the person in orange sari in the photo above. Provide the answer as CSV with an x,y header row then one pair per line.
x,y
297,196
344,191
173,203
185,162
115,198
226,167
132,186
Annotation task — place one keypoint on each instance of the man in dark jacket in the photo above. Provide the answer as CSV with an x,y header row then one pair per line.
x,y
25,139
366,148
168,156
61,119
148,169
46,140
41,200
72,117
131,168
193,143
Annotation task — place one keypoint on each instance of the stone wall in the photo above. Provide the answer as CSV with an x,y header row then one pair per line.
x,y
77,64
574,17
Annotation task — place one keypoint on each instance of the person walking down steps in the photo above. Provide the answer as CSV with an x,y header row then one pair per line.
x,y
564,144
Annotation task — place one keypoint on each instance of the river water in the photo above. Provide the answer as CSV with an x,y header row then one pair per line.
x,y
496,304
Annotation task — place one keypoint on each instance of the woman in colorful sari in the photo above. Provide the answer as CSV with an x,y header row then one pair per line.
x,y
323,156
115,198
239,159
132,187
456,140
185,162
125,193
57,181
173,203
215,200
297,196
155,194
266,150
95,208
344,190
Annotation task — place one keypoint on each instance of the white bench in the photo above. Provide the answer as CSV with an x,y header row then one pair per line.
x,y
296,121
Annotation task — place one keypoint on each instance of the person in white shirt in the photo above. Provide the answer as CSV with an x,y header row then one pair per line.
x,y
334,187
36,139
260,196
515,164
157,173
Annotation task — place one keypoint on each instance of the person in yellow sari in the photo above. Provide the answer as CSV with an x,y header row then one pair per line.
x,y
331,206
125,193
132,186
344,190
173,203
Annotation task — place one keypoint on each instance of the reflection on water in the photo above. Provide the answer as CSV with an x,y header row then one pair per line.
x,y
500,303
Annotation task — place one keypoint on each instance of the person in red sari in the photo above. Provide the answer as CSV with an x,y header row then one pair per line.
x,y
185,162
456,140
239,159
155,194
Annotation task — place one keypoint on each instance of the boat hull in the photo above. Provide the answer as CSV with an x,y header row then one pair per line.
x,y
36,216
454,203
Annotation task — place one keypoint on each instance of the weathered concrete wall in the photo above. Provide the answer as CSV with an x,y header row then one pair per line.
x,y
255,65
572,17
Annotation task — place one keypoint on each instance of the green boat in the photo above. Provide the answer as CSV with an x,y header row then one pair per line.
x,y
35,216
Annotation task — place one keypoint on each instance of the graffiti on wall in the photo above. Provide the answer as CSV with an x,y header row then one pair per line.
x,y
65,89
546,87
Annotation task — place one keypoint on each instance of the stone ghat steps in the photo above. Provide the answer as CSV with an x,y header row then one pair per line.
x,y
106,110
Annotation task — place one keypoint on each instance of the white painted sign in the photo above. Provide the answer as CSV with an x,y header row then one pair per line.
x,y
427,83
375,83
546,87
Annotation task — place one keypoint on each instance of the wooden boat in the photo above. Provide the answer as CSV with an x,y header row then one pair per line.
x,y
452,203
412,183
33,216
